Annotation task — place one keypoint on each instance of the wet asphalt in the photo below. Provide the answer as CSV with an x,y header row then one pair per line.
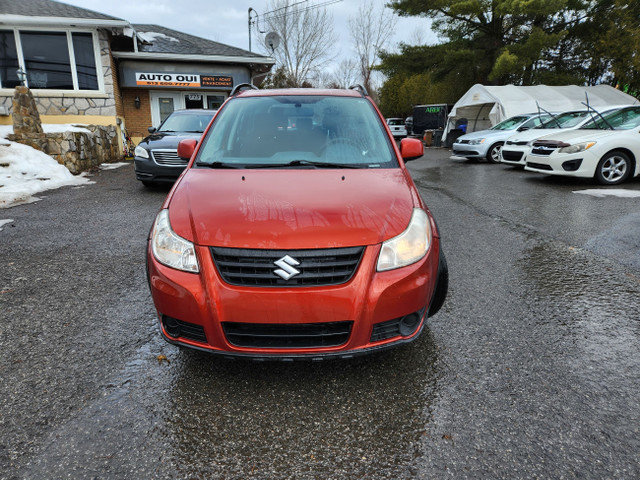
x,y
530,370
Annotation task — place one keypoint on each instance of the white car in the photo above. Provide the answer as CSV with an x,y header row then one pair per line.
x,y
487,143
606,149
514,152
397,127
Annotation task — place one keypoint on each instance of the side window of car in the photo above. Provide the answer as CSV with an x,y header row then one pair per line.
x,y
533,122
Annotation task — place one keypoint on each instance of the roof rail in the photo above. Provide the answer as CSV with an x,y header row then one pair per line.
x,y
360,88
242,86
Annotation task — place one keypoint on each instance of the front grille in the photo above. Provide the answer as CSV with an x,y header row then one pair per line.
x,y
539,166
256,268
168,157
511,156
521,143
544,151
287,335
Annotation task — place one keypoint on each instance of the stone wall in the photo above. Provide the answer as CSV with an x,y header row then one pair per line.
x,y
78,151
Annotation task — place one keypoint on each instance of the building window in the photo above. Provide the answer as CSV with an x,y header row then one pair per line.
x,y
52,60
9,64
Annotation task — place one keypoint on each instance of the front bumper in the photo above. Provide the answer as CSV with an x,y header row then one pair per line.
x,y
370,300
149,171
581,164
470,151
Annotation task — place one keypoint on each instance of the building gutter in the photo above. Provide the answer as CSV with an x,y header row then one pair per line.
x,y
192,58
23,20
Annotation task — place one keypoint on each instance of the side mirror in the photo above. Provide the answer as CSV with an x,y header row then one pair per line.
x,y
411,148
186,148
152,129
522,129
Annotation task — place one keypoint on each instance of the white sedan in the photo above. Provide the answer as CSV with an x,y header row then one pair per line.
x,y
517,146
606,149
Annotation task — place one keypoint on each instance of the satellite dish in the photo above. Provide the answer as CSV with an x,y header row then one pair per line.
x,y
273,40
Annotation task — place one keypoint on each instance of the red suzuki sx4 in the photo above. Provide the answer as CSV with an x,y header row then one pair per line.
x,y
295,232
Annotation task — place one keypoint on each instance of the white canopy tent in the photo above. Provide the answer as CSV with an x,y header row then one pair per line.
x,y
484,106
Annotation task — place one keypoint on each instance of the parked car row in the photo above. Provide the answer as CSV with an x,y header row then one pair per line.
x,y
585,143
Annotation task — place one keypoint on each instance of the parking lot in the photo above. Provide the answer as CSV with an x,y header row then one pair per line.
x,y
531,369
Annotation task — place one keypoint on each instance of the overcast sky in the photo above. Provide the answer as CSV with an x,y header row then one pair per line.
x,y
225,21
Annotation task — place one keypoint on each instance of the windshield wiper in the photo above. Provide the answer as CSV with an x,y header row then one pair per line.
x,y
217,165
305,163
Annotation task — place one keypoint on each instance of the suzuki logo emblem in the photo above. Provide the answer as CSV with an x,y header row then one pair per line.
x,y
286,270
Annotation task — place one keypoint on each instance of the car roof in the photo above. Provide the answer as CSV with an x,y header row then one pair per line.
x,y
322,92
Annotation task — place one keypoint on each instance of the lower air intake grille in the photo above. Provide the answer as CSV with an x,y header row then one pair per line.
x,y
511,156
539,166
278,335
384,330
179,328
257,268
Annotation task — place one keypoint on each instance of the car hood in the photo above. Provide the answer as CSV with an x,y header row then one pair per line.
x,y
167,139
582,135
534,133
291,209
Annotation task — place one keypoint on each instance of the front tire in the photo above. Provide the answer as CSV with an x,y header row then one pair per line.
x,y
614,168
493,155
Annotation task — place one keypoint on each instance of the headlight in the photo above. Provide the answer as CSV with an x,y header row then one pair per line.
x,y
141,152
477,141
170,249
408,247
578,147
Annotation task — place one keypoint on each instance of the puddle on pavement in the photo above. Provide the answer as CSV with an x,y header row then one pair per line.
x,y
593,299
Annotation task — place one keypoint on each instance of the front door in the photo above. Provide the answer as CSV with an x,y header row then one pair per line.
x,y
163,104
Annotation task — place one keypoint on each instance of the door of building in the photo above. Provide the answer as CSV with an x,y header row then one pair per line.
x,y
163,104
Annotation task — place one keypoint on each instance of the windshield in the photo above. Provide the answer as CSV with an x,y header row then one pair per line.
x,y
509,123
186,122
395,121
624,119
565,120
301,131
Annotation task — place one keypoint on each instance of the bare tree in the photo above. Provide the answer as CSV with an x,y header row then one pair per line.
x,y
370,30
345,74
306,38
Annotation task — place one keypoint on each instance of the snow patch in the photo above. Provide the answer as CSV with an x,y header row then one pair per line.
x,y
113,166
614,192
25,172
4,222
48,128
149,37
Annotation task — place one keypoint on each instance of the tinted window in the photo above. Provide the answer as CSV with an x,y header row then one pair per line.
x,y
277,130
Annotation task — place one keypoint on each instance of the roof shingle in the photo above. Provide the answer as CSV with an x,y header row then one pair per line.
x,y
49,8
174,42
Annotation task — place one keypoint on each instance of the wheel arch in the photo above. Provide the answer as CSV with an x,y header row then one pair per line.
x,y
626,151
